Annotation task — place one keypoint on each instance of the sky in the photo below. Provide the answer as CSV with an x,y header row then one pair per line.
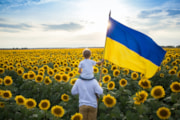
x,y
83,23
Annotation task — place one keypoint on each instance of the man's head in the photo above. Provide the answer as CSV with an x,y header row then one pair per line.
x,y
86,53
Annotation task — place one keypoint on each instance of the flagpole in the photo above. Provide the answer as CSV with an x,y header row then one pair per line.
x,y
103,53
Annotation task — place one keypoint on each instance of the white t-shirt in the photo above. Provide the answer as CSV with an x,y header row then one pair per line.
x,y
86,90
87,68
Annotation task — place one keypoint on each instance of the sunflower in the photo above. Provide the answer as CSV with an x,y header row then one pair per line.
x,y
20,71
95,69
111,85
31,75
46,67
57,111
104,70
18,65
41,73
116,72
50,72
158,92
163,113
134,75
123,82
172,72
72,82
141,96
8,81
109,100
58,77
65,77
175,87
71,74
161,75
25,76
106,78
65,97
39,78
44,104
20,100
67,69
35,68
167,67
47,80
174,63
2,105
178,74
30,103
113,67
145,83
75,65
55,70
1,81
1,70
125,71
6,94
77,116
9,68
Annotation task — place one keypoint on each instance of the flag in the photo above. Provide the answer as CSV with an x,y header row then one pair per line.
x,y
131,49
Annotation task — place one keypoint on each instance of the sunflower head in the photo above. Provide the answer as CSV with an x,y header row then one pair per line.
x,y
157,92
2,104
116,72
39,78
77,116
58,77
104,71
134,75
106,78
20,100
161,75
125,71
57,111
175,87
44,104
6,94
50,72
1,81
65,97
2,70
71,74
145,83
140,97
163,113
30,103
65,77
123,82
72,82
47,80
109,100
31,75
178,74
172,72
111,85
8,81
20,71
95,69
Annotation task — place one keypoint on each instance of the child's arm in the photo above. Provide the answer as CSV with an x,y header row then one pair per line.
x,y
80,70
100,62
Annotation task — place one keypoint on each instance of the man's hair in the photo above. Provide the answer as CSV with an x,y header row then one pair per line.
x,y
86,53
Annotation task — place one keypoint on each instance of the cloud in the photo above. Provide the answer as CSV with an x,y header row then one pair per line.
x,y
173,12
66,27
14,27
149,13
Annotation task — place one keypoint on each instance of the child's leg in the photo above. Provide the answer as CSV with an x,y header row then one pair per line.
x,y
92,113
84,111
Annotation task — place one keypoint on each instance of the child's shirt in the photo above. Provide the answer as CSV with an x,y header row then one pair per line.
x,y
86,90
87,68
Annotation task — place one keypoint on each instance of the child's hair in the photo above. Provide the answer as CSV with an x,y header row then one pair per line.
x,y
86,53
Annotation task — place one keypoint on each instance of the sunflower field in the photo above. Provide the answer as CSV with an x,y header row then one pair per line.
x,y
35,84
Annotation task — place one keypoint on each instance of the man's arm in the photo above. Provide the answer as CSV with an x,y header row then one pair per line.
x,y
100,62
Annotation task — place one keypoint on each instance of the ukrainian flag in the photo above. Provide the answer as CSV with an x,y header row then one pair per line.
x,y
131,49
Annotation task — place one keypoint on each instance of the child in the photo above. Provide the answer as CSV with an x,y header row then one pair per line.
x,y
87,87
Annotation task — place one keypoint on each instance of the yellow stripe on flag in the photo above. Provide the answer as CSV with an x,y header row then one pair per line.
x,y
126,58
